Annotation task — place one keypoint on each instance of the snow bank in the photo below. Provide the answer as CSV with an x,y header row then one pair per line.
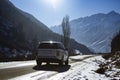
x,y
14,64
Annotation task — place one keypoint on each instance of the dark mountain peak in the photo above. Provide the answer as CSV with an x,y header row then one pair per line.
x,y
22,32
113,13
4,1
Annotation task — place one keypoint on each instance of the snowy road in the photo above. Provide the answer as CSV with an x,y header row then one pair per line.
x,y
80,66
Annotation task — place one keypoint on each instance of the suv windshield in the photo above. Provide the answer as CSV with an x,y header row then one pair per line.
x,y
51,46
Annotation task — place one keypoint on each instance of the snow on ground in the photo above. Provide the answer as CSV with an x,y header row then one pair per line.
x,y
82,69
13,64
40,75
80,57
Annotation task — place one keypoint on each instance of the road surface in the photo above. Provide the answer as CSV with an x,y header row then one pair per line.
x,y
28,70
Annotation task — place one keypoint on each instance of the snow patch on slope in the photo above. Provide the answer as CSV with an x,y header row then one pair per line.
x,y
82,71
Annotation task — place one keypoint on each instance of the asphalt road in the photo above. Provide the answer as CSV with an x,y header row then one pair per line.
x,y
9,73
14,72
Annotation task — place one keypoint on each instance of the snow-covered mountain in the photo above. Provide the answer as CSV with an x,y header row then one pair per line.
x,y
95,31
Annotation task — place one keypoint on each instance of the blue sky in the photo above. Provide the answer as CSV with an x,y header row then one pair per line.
x,y
51,12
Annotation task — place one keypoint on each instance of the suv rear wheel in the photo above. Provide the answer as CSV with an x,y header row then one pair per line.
x,y
66,62
47,63
61,63
38,62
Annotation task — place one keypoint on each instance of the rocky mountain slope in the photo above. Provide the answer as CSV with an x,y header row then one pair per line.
x,y
95,31
21,32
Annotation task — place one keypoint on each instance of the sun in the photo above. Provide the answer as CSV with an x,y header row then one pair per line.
x,y
54,3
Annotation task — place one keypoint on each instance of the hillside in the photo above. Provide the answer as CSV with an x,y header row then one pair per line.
x,y
95,31
20,32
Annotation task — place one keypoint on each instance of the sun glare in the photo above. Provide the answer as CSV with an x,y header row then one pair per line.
x,y
54,3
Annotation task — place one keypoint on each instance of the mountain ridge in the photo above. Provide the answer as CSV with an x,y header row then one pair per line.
x,y
94,31
21,32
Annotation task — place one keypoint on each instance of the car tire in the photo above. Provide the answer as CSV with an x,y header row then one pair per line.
x,y
47,63
66,62
61,63
38,62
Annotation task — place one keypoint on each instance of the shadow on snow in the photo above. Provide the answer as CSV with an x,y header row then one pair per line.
x,y
52,67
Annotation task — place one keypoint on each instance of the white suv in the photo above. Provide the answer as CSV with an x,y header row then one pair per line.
x,y
51,51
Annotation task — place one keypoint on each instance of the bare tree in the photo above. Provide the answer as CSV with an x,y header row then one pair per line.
x,y
66,31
